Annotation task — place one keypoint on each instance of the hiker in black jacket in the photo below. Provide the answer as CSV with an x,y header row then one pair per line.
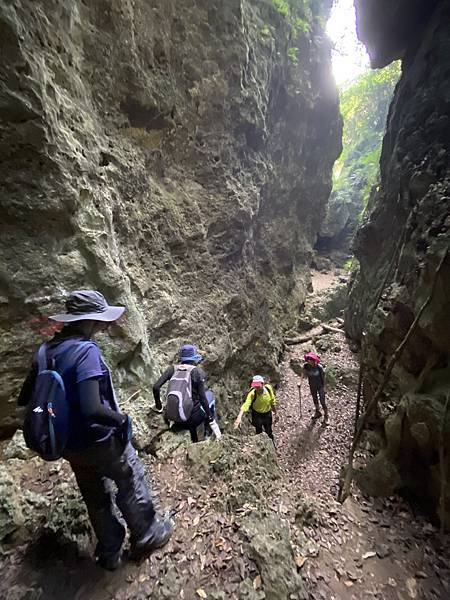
x,y
201,412
313,370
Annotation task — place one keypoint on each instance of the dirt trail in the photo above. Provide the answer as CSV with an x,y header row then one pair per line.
x,y
363,549
367,548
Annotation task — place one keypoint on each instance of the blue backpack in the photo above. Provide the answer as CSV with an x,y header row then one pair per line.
x,y
46,424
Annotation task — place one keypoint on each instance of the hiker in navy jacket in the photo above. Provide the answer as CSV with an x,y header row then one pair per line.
x,y
98,446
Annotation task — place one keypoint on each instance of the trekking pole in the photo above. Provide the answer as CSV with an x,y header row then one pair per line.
x,y
299,387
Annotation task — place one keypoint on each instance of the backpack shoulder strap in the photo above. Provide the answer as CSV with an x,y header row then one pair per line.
x,y
321,372
76,347
42,358
270,390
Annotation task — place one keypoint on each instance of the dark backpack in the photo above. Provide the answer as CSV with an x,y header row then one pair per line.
x,y
46,424
179,403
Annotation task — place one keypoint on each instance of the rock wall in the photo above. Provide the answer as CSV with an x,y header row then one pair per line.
x,y
175,155
403,240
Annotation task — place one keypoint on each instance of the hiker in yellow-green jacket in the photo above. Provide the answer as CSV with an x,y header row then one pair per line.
x,y
261,400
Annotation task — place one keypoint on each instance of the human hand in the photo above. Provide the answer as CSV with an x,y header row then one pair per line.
x,y
237,423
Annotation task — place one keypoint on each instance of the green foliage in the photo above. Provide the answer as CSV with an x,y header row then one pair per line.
x,y
349,264
282,7
300,14
300,24
364,107
266,31
293,55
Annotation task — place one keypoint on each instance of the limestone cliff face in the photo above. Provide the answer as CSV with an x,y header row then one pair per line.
x,y
399,247
171,154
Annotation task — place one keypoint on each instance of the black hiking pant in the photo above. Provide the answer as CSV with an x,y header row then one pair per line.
x,y
318,394
196,419
262,421
95,470
192,424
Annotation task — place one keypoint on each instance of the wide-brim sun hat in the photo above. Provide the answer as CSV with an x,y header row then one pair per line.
x,y
257,381
83,305
189,352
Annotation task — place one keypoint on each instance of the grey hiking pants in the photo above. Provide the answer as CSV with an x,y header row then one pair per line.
x,y
318,393
95,470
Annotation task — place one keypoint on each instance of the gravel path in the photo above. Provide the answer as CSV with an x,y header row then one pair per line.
x,y
365,548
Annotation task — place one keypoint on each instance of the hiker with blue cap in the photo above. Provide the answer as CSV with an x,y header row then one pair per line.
x,y
72,412
187,403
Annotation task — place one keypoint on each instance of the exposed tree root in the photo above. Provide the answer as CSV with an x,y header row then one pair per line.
x,y
330,329
315,333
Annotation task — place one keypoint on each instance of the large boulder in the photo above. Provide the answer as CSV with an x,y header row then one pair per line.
x,y
243,469
12,516
39,498
17,447
146,422
269,544
323,306
380,477
169,442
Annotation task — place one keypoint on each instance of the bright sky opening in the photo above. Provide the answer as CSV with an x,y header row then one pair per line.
x,y
349,57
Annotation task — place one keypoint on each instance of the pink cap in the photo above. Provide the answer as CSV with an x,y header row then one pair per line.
x,y
257,381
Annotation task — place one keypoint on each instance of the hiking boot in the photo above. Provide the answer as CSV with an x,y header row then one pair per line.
x,y
325,416
158,536
110,563
317,414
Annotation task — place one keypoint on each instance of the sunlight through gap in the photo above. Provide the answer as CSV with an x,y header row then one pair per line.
x,y
349,56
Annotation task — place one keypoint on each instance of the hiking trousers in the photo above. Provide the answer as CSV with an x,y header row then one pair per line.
x,y
262,421
192,424
95,470
318,394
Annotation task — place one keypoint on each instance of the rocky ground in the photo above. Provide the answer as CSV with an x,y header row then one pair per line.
x,y
365,548
249,523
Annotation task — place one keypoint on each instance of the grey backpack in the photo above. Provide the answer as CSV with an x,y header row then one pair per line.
x,y
179,404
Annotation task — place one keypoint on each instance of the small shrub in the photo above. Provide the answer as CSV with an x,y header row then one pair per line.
x,y
349,264
282,7
293,55
301,25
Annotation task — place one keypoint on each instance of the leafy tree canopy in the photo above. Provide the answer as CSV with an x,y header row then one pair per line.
x,y
364,107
